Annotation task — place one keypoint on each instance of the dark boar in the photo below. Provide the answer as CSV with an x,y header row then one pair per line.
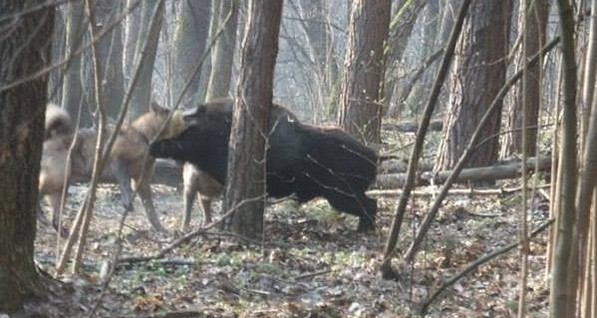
x,y
302,160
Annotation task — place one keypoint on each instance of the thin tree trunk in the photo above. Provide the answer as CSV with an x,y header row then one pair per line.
x,y
56,77
72,88
245,184
527,92
562,300
223,54
536,21
132,26
588,176
141,95
111,57
190,38
386,266
24,51
400,30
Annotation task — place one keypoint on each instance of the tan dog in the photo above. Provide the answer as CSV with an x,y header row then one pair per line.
x,y
198,182
126,161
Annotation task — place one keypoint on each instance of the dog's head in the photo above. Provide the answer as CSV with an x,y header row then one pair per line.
x,y
175,125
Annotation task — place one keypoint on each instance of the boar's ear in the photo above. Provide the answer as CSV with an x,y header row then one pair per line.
x,y
156,108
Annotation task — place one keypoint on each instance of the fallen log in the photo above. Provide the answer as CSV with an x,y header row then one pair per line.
x,y
411,127
467,192
400,165
497,172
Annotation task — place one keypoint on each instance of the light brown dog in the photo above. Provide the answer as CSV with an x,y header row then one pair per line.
x,y
198,182
128,160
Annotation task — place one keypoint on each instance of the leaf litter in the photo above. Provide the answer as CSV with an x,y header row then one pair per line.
x,y
311,263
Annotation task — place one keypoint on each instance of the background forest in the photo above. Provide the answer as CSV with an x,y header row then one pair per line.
x,y
482,115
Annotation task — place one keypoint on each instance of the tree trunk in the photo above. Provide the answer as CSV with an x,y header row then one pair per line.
x,y
110,55
562,301
190,38
531,81
400,29
131,34
223,53
24,51
362,88
590,65
478,74
321,70
72,88
430,31
55,79
141,94
245,182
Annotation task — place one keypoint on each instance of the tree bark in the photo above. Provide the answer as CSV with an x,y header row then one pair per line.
x,y
562,301
55,79
24,51
478,74
223,54
72,86
321,69
190,38
131,34
362,88
531,81
110,55
245,182
141,94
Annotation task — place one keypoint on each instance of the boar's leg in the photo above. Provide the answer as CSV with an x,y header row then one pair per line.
x,y
359,204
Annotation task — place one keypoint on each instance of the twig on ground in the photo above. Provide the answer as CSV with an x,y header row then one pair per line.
x,y
309,275
477,263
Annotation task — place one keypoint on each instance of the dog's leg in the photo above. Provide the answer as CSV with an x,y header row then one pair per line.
x,y
54,199
189,198
41,216
190,182
144,190
120,172
205,202
142,185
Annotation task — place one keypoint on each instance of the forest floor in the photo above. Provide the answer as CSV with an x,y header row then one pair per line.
x,y
312,262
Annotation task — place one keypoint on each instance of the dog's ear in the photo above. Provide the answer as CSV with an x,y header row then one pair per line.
x,y
156,108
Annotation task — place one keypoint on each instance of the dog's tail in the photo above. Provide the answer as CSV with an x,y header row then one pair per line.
x,y
58,121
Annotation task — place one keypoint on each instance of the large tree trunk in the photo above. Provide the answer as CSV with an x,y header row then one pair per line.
x,y
190,37
72,87
141,94
223,53
531,82
362,87
24,51
478,74
245,182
